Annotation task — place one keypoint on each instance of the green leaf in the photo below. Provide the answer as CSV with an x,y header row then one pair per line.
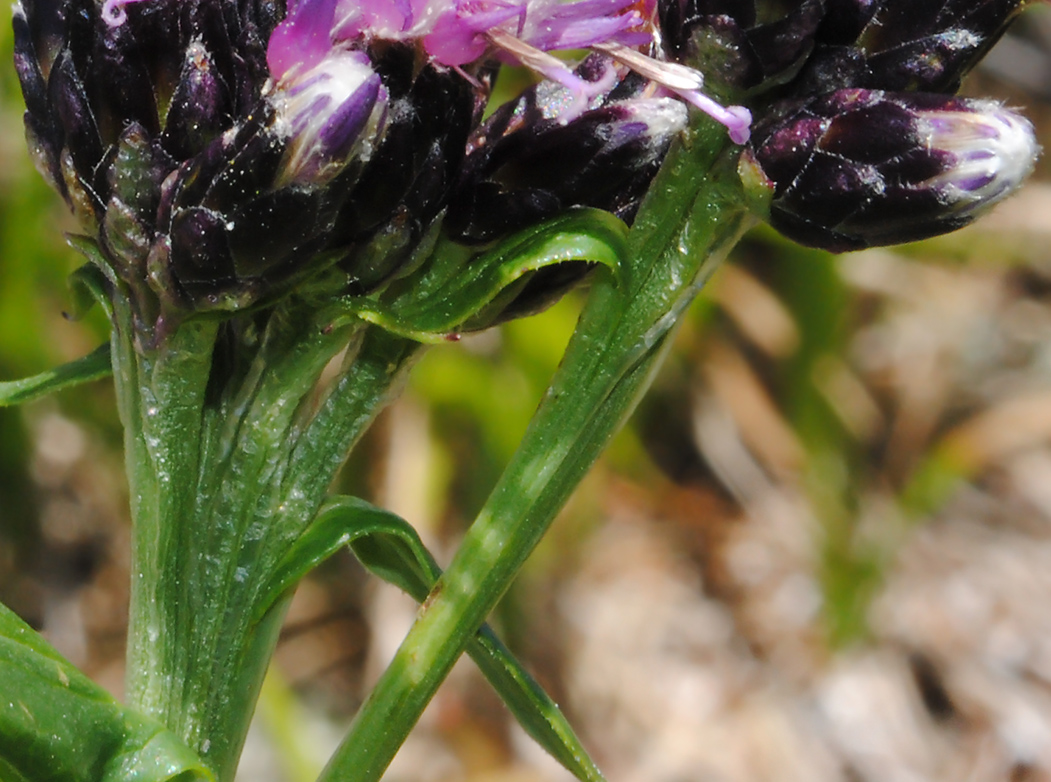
x,y
457,284
56,725
391,549
94,366
345,521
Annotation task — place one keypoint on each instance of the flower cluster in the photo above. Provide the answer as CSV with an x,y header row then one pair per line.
x,y
224,152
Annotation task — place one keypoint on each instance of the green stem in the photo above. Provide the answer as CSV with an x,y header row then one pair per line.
x,y
161,419
690,220
226,467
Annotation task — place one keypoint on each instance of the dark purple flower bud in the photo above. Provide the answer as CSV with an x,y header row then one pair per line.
x,y
116,110
526,166
861,168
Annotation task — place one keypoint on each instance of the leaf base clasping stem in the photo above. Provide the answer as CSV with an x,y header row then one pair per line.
x,y
227,465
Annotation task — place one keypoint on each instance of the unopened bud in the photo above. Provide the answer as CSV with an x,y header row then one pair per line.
x,y
862,168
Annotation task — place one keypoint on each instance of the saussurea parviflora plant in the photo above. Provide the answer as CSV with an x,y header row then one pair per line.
x,y
266,188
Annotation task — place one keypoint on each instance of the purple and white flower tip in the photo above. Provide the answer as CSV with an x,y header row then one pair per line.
x,y
330,113
992,150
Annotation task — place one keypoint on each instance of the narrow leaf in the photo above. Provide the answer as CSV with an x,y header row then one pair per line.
x,y
458,283
391,549
94,366
345,521
56,725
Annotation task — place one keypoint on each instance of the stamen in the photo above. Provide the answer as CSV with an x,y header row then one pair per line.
x,y
737,119
550,67
669,74
684,82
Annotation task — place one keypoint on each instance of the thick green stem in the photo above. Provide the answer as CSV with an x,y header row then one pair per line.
x,y
691,218
161,420
226,468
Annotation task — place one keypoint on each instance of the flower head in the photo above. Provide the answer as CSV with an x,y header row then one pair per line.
x,y
247,147
244,149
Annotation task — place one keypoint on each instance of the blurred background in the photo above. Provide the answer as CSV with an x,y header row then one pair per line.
x,y
820,551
